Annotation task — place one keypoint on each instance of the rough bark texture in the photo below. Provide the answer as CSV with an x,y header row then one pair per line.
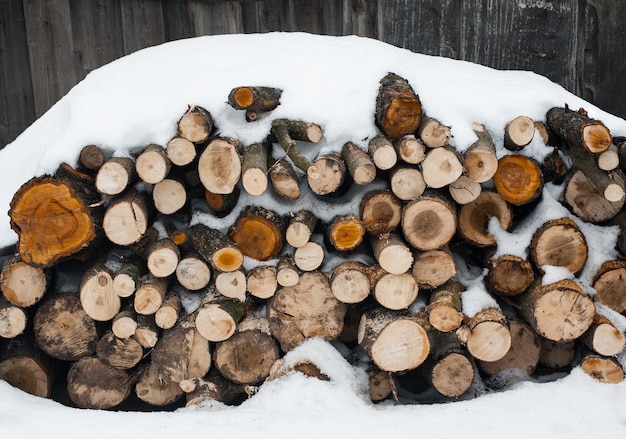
x,y
398,109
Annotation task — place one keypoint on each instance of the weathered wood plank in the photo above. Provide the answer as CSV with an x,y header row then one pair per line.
x,y
211,18
176,20
359,17
142,24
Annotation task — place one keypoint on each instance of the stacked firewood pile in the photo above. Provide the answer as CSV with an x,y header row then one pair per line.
x,y
182,274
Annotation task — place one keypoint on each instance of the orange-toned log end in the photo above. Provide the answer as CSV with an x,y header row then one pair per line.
x,y
402,116
257,237
596,137
244,97
347,234
228,259
51,220
518,179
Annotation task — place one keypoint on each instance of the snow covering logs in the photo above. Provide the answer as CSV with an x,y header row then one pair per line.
x,y
181,274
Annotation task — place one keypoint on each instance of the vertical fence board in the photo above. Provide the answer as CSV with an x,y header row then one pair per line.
x,y
142,24
212,18
176,20
359,17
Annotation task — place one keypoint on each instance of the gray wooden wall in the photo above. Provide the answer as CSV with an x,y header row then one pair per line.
x,y
47,46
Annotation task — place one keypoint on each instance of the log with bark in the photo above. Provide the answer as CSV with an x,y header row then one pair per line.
x,y
254,98
429,222
258,232
219,165
383,154
433,133
480,158
578,129
381,212
23,284
474,218
518,133
519,179
398,108
559,243
92,384
13,319
196,124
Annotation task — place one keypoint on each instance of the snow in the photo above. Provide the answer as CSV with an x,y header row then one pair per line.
x,y
333,81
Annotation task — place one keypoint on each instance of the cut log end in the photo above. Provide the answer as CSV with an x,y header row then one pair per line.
x,y
518,179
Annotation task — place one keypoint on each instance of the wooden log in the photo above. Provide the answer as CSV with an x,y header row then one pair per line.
x,y
196,124
381,212
222,204
309,257
13,319
23,284
382,152
292,323
410,149
433,133
262,282
121,353
450,371
608,160
155,388
407,183
519,179
350,282
518,133
91,157
433,268
392,254
578,129
180,151
97,296
63,329
150,294
126,278
301,227
254,98
480,158
464,190
445,307
23,366
393,291
162,258
588,201
603,337
327,174
553,167
559,243
486,334
345,232
429,222
603,369
287,132
608,282
254,168
359,164
167,315
398,108
258,232
284,179
556,355
394,341
92,384
169,196
441,167
126,219
287,273
116,175
474,217
153,165
213,388
509,275
380,384
124,324
217,316
219,165
193,272
217,249
147,332
232,284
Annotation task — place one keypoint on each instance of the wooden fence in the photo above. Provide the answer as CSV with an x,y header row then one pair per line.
x,y
47,46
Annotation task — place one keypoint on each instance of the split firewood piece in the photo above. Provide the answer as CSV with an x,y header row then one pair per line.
x,y
609,283
509,275
559,243
217,249
345,232
155,388
301,227
121,353
590,202
180,151
62,328
381,212
608,160
254,168
91,157
126,218
433,268
287,132
115,175
519,179
262,282
380,384
327,174
126,278
13,319
445,308
382,152
603,337
162,258
222,204
54,218
124,324
169,196
429,222
25,367
441,167
480,158
602,368
147,332
196,124
287,273
523,353
392,254
406,182
410,150
559,311
23,284
578,129
518,133
284,179
97,296
359,164
398,108
474,218
350,282
393,291
395,341
258,232
464,190
556,355
291,323
254,98
219,165
309,257
167,315
433,133
150,294
486,335
193,272
247,357
217,316
153,165
232,284
92,384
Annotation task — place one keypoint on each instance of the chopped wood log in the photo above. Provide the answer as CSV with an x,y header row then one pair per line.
x,y
410,150
449,370
323,316
213,388
180,151
441,167
603,337
559,243
359,164
609,284
91,157
23,366
62,328
147,332
487,335
284,179
155,388
22,284
603,369
433,268
196,124
287,132
556,355
91,384
162,258
254,98
327,174
518,133
523,353
474,218
153,165
97,296
219,165
445,308
169,196
381,212
350,282
608,160
258,232
480,158
13,319
393,291
519,179
429,222
116,175
150,294
121,353
124,324
509,275
222,204
398,108
287,273
382,152
380,384
395,342
232,284
345,232
217,316
301,227
254,168
407,183
262,281
126,219
578,129
126,278
309,257
588,201
433,133
167,315
192,272
464,190
392,254
221,252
